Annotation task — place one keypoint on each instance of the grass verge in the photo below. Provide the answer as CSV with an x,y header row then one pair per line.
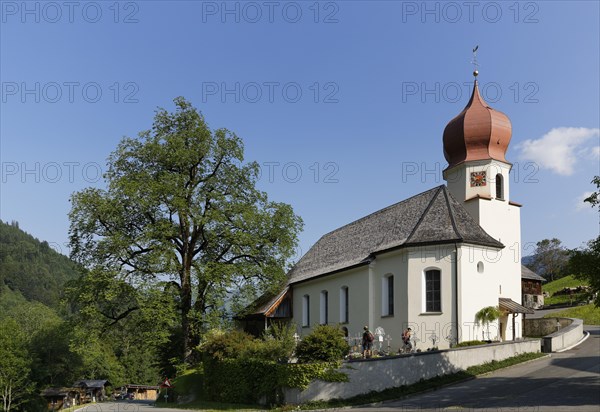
x,y
588,313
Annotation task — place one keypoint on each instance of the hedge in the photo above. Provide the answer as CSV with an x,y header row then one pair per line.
x,y
256,380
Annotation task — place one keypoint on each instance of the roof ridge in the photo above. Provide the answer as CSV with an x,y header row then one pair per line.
x,y
381,210
424,214
451,213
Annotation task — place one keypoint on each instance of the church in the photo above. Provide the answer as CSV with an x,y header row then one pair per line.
x,y
429,262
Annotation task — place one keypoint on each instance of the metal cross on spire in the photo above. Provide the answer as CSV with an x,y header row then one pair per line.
x,y
474,61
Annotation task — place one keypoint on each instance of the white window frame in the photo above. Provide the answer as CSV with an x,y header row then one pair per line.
x,y
424,290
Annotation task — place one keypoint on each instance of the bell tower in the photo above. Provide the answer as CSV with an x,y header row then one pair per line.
x,y
475,145
478,175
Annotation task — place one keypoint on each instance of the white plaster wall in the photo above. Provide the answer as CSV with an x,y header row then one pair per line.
x,y
380,374
393,263
478,290
502,273
357,281
424,324
459,179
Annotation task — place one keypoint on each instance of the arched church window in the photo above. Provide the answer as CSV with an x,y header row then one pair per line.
x,y
324,318
387,295
344,305
499,186
433,291
306,311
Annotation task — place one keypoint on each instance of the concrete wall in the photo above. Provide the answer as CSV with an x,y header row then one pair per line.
x,y
379,374
563,338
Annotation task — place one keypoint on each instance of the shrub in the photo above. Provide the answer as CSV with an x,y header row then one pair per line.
x,y
277,343
218,344
324,344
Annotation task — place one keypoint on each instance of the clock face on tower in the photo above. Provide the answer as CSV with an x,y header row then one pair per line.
x,y
478,179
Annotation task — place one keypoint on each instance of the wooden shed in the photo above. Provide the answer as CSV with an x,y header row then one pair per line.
x,y
140,392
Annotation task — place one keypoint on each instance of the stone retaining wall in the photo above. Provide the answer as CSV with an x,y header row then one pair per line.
x,y
379,374
544,326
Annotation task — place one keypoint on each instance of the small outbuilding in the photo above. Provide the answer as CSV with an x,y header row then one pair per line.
x,y
531,288
139,392
93,390
59,398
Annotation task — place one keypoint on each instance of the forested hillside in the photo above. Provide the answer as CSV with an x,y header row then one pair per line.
x,y
32,267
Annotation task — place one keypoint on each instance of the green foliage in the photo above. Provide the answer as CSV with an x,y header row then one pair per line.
x,y
32,267
487,315
181,204
247,380
324,344
232,344
470,343
15,365
594,198
585,264
277,344
590,314
550,258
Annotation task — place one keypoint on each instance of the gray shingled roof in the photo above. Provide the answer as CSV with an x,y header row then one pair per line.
x,y
432,217
527,273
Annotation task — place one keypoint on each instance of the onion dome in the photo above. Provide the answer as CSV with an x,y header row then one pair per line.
x,y
477,133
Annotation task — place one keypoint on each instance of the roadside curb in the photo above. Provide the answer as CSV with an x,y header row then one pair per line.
x,y
516,364
586,335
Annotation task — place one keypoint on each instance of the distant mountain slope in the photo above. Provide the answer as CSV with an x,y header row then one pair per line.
x,y
31,267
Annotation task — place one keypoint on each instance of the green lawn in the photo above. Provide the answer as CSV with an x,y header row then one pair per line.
x,y
589,313
560,284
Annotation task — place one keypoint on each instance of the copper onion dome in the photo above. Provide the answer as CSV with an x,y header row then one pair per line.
x,y
477,133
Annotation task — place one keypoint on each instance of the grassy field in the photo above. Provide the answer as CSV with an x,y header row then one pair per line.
x,y
559,284
589,313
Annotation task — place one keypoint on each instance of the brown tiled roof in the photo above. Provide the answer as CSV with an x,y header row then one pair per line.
x,y
431,217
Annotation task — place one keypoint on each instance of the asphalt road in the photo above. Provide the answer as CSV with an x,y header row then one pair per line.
x,y
564,382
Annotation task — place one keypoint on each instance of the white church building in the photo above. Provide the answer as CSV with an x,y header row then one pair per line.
x,y
429,262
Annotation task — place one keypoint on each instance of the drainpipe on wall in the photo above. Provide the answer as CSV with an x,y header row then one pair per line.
x,y
456,289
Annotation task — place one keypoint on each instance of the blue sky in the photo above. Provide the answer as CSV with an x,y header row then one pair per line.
x,y
343,103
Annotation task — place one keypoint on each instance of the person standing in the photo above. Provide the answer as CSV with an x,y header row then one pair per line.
x,y
367,342
406,339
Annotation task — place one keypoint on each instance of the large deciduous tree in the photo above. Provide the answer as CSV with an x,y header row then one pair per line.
x,y
15,365
550,258
585,263
180,205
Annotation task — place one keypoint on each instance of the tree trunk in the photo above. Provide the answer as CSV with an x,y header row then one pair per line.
x,y
186,305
